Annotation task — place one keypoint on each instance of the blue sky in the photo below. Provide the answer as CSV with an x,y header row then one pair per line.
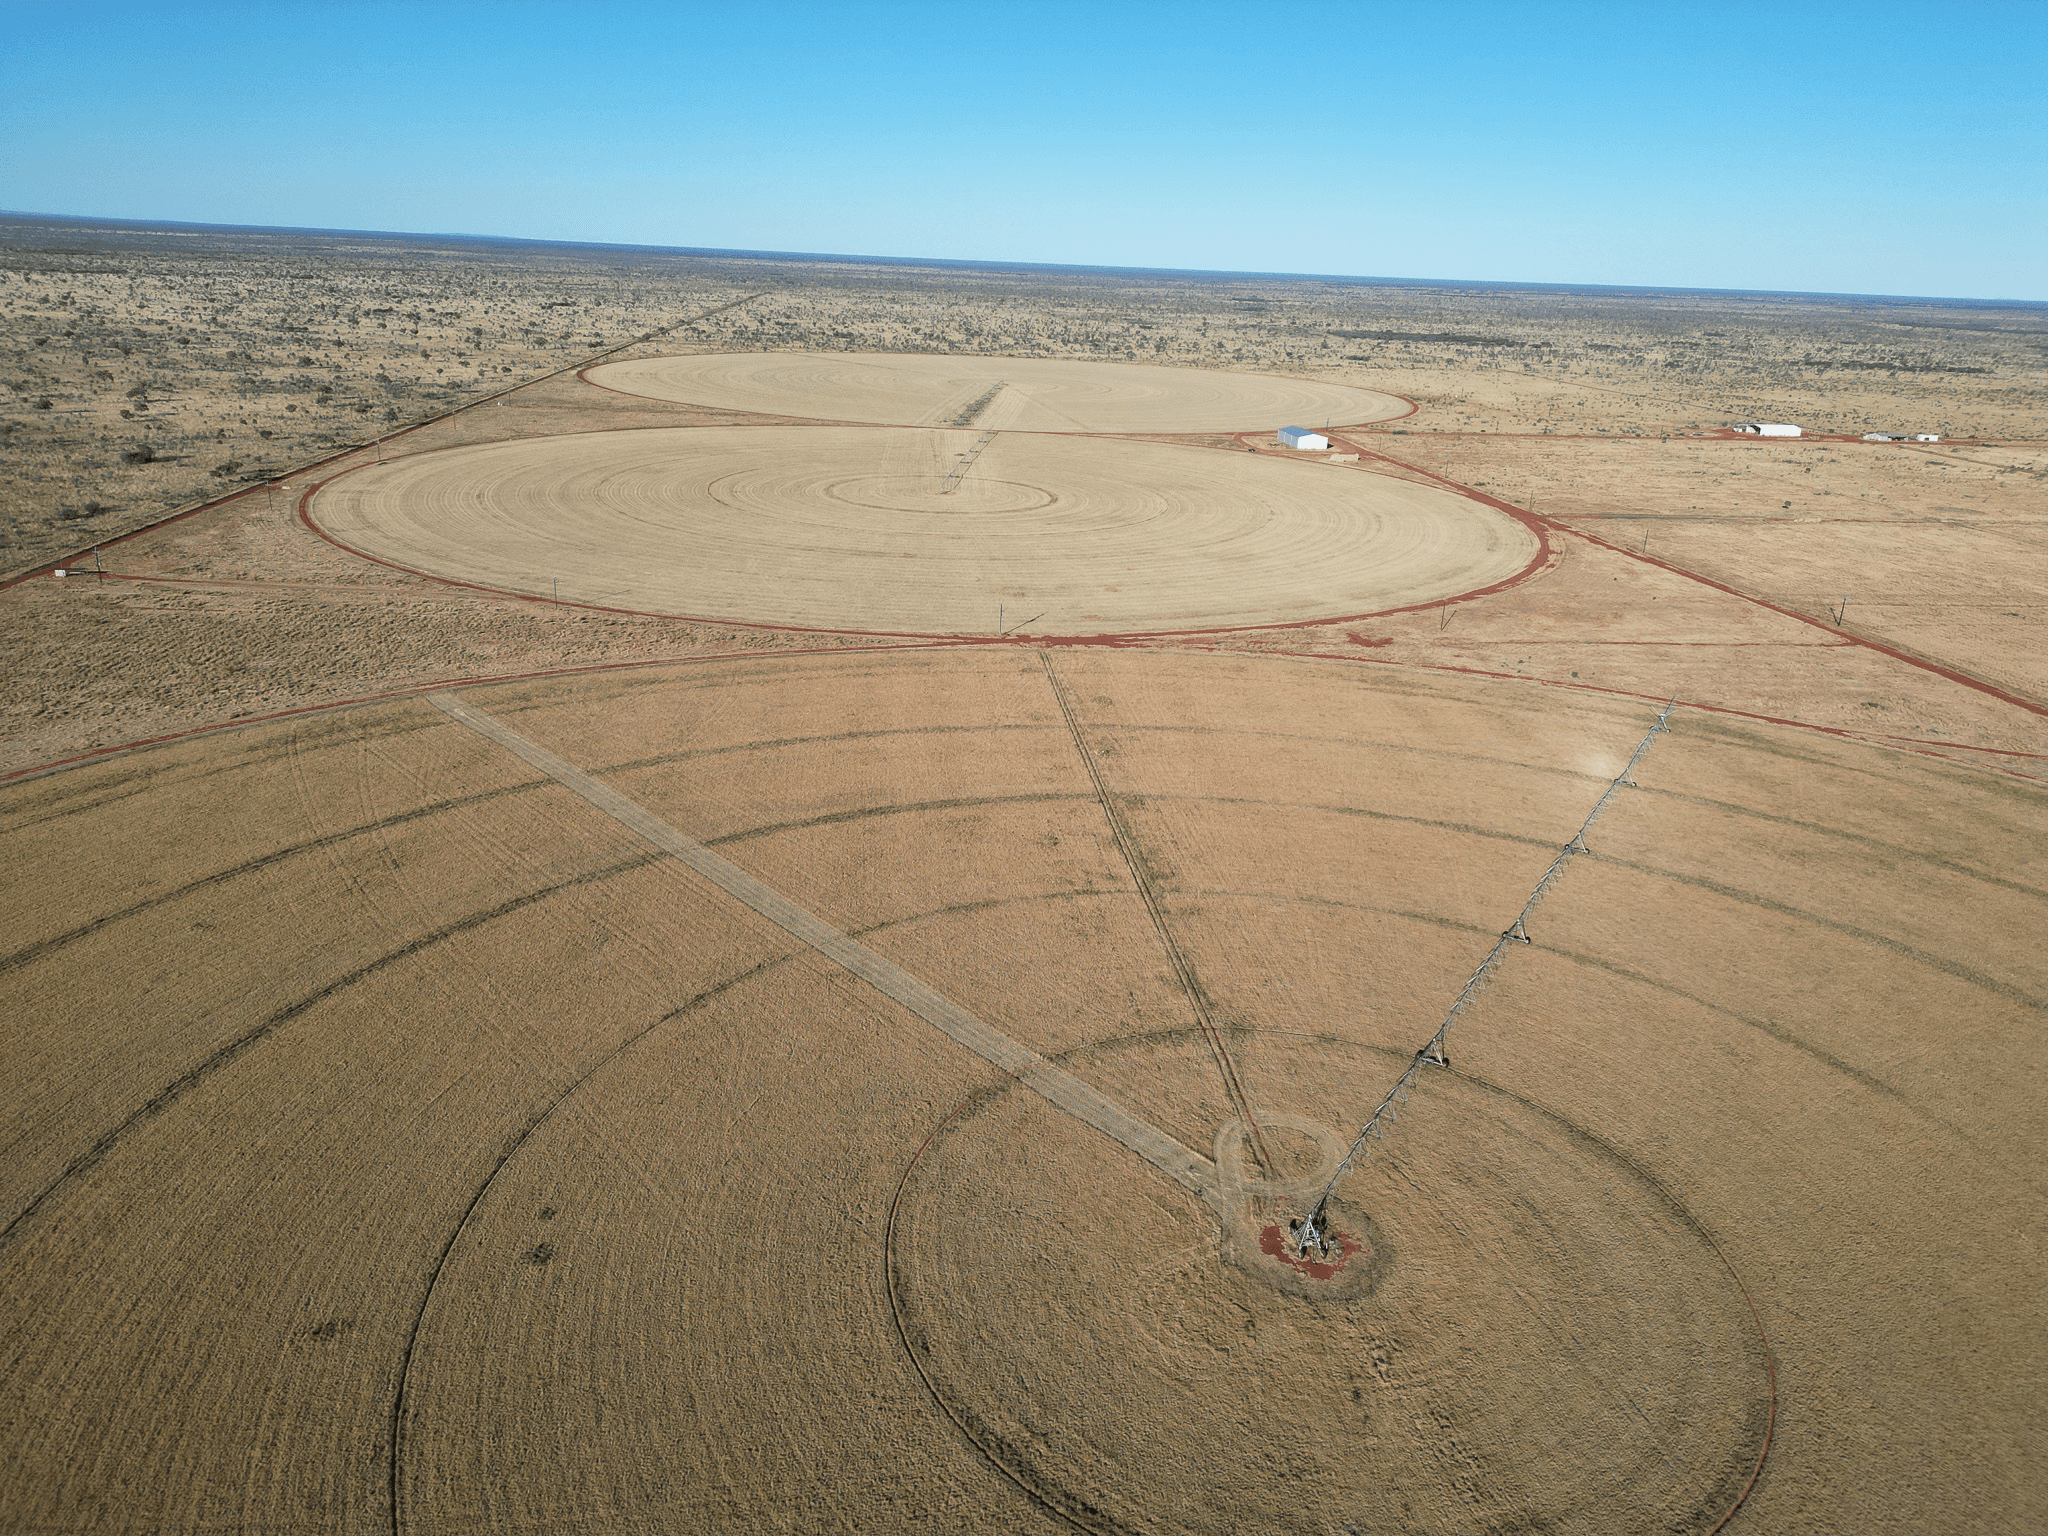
x,y
1865,148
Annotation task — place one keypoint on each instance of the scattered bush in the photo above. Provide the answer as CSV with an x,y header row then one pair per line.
x,y
43,404
141,453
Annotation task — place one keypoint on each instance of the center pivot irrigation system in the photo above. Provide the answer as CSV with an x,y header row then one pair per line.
x,y
959,471
1312,1231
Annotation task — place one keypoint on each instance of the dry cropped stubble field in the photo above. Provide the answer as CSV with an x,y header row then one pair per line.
x,y
723,1075
1010,394
862,529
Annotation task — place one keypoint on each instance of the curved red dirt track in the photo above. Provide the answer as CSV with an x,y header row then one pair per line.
x,y
64,562
1895,653
1541,527
1538,524
1098,642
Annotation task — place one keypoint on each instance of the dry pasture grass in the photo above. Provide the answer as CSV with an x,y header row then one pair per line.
x,y
666,1141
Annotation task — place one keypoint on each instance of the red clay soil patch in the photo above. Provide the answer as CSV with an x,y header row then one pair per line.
x,y
1273,1243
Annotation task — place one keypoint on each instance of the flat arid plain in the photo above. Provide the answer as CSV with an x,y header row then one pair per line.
x,y
654,891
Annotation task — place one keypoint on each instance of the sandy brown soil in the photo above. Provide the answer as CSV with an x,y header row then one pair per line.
x,y
404,1142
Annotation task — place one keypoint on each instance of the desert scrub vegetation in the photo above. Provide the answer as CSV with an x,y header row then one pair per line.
x,y
230,355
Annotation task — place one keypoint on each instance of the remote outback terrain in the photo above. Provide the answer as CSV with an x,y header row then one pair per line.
x,y
659,891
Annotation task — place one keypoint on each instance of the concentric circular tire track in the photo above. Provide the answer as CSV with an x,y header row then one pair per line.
x,y
1815,1100
1151,1491
400,1402
851,530
229,1052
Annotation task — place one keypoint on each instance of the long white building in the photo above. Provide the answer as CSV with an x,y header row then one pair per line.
x,y
1302,438
1767,428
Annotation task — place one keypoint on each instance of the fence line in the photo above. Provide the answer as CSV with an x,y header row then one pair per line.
x,y
1517,932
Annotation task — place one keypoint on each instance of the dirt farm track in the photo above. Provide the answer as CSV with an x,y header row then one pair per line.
x,y
864,1088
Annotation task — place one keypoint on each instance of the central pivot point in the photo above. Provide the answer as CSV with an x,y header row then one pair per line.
x,y
1304,1238
1312,1251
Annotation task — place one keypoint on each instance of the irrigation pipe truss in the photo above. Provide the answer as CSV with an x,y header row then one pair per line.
x,y
1514,933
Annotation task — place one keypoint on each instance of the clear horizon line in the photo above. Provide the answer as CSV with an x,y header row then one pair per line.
x,y
1000,265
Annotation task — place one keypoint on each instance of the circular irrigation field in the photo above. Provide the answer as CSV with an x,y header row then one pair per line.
x,y
804,1091
1005,393
1503,1267
870,529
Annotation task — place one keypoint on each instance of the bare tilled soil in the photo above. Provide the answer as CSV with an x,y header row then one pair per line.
x,y
499,1057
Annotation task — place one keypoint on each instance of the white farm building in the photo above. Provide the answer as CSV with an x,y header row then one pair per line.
x,y
1767,428
1302,438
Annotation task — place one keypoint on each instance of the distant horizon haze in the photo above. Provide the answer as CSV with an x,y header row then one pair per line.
x,y
1877,149
86,222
